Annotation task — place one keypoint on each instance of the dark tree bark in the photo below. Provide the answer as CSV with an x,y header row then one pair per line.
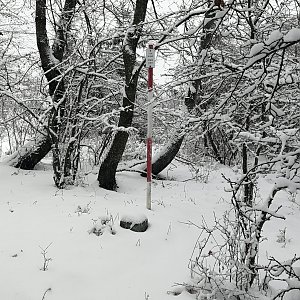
x,y
108,167
168,153
34,151
31,153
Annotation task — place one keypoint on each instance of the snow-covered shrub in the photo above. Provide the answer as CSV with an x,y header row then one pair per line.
x,y
83,209
225,259
220,268
286,273
218,263
102,225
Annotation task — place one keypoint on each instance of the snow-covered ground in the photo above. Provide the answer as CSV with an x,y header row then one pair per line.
x,y
36,217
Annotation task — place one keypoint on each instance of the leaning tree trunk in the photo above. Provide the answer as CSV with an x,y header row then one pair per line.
x,y
35,150
27,156
164,157
111,159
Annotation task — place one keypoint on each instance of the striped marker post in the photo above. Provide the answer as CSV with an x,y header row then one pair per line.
x,y
150,64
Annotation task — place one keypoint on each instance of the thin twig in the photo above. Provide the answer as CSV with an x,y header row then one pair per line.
x,y
49,289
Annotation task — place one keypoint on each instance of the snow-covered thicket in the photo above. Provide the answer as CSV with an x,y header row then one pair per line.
x,y
231,93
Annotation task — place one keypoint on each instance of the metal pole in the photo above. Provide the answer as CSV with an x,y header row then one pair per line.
x,y
150,64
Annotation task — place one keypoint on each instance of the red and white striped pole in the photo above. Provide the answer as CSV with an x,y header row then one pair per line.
x,y
150,64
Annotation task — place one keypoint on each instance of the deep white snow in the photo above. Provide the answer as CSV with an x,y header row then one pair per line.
x,y
115,264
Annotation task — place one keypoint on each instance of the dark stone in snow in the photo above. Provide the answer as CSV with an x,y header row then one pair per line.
x,y
137,224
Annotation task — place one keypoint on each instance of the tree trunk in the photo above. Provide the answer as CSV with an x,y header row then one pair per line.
x,y
34,151
164,157
111,159
27,156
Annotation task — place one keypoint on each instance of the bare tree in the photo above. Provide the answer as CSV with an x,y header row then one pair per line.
x,y
33,151
209,25
112,157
